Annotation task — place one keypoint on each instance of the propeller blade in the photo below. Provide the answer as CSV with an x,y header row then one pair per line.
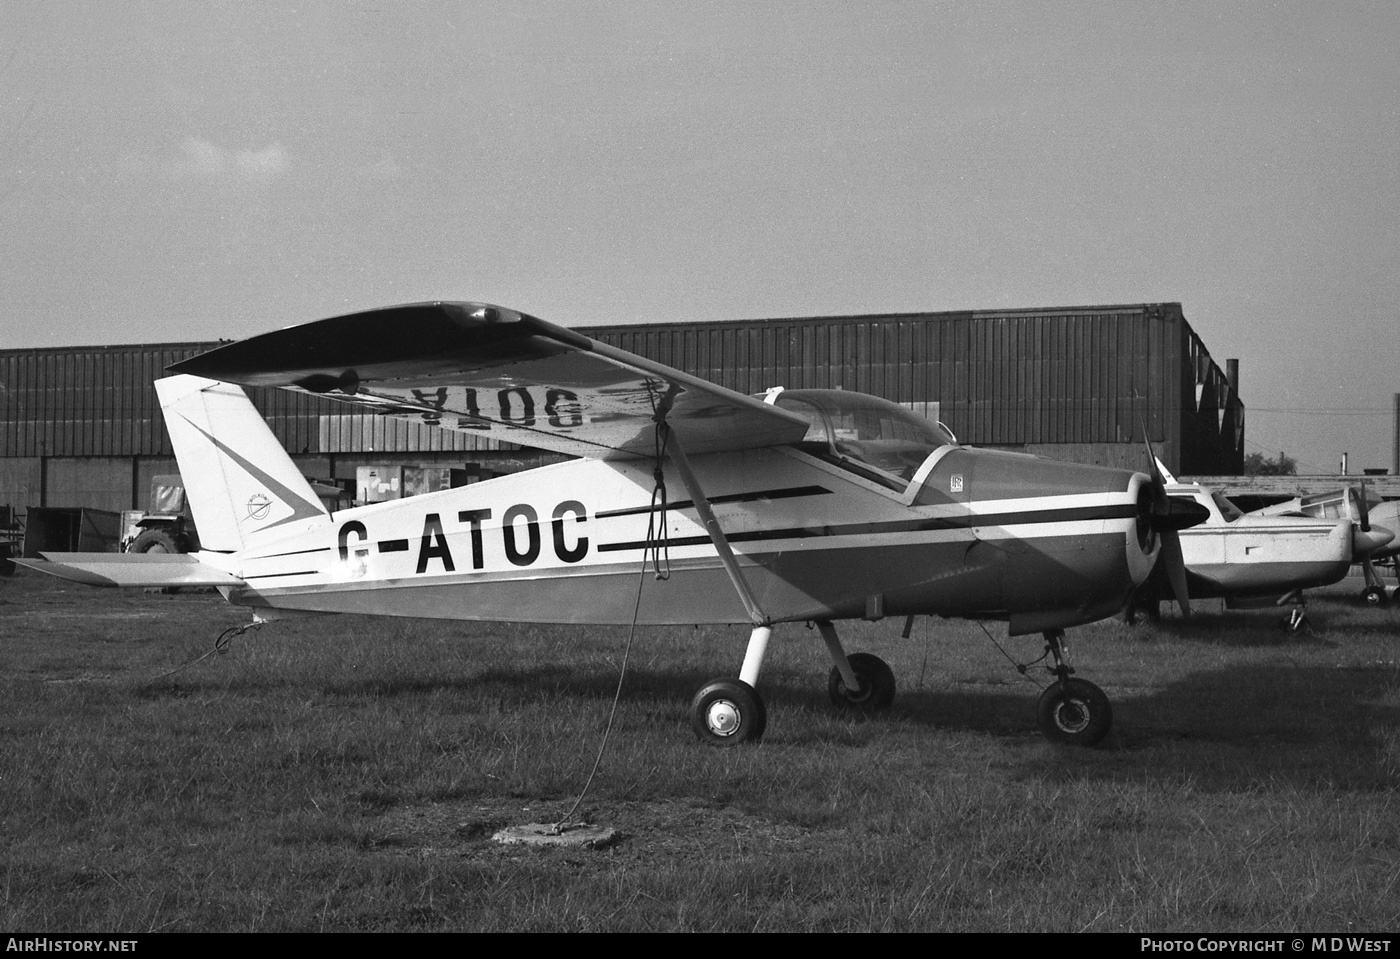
x,y
1176,569
1169,516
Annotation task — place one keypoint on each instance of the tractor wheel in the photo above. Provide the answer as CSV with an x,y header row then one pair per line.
x,y
156,541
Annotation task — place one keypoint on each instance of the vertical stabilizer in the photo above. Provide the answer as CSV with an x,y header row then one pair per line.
x,y
240,481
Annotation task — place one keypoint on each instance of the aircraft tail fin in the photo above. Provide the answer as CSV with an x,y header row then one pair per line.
x,y
240,481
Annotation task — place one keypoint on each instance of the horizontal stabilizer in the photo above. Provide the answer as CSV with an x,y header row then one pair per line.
x,y
131,569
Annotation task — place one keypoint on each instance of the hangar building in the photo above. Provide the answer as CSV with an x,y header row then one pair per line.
x,y
81,427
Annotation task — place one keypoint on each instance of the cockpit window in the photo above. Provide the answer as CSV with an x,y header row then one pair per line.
x,y
856,430
816,429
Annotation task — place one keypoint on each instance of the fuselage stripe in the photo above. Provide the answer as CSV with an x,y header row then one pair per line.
x,y
967,521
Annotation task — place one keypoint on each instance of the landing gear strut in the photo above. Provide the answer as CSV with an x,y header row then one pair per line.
x,y
1373,594
1297,616
1073,711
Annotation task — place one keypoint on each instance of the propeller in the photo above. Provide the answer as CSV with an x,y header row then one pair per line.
x,y
1168,516
1366,539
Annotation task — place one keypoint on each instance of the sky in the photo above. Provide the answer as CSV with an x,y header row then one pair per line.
x,y
175,171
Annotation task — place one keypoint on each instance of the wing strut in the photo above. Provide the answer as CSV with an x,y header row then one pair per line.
x,y
707,516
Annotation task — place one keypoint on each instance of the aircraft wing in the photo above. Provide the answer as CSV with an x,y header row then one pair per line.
x,y
498,373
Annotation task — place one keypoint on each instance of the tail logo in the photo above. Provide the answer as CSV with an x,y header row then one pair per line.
x,y
260,504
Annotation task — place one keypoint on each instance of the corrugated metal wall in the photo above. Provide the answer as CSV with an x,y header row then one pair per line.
x,y
94,401
98,401
1076,380
1003,378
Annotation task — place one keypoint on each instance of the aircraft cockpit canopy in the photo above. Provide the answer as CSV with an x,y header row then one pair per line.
x,y
878,439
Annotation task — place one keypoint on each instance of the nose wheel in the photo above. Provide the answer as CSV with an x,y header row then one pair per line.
x,y
1072,711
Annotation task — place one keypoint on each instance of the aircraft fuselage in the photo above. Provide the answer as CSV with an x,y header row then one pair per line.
x,y
1254,555
816,541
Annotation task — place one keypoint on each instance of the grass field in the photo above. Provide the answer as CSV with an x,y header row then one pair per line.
x,y
348,773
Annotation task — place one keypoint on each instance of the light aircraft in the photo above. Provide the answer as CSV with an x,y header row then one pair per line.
x,y
1366,515
1255,560
804,505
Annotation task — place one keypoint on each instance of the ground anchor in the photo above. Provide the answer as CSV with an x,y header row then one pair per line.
x,y
579,835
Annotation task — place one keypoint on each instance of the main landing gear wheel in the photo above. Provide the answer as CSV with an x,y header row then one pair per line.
x,y
876,684
1374,596
728,712
1074,711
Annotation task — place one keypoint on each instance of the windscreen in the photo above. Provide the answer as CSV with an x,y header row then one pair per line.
x,y
866,430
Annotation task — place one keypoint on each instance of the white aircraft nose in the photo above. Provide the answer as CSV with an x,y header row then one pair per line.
x,y
1366,542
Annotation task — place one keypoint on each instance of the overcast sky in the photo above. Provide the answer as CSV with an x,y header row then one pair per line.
x,y
175,171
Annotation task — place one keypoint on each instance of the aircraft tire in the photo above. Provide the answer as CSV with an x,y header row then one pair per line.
x,y
1374,596
877,685
155,541
1074,711
727,712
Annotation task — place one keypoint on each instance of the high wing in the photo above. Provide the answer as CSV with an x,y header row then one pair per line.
x,y
496,372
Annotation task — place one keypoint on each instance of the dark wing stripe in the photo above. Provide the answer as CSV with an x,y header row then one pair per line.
x,y
969,521
791,492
